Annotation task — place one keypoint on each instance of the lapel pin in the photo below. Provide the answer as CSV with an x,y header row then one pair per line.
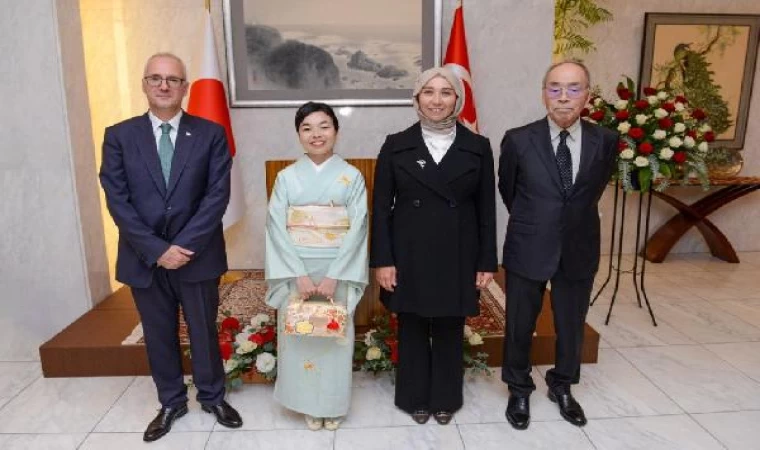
x,y
422,163
187,133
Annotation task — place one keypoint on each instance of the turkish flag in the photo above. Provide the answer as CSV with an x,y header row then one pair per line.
x,y
459,62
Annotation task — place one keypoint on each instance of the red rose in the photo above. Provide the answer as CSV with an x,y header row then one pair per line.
x,y
692,134
597,115
669,107
641,104
679,157
333,325
622,145
709,136
584,112
698,114
225,349
681,99
636,133
256,338
393,323
650,91
230,323
624,94
393,345
645,148
267,334
225,336
665,123
622,115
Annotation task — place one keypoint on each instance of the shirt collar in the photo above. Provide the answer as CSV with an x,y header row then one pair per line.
x,y
574,130
156,122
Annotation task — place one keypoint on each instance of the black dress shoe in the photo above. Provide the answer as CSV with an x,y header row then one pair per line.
x,y
518,411
443,417
569,409
161,425
225,414
421,416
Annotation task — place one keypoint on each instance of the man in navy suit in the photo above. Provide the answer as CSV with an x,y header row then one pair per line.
x,y
552,173
166,176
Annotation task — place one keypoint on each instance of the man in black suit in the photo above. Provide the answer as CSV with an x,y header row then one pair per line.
x,y
166,176
552,173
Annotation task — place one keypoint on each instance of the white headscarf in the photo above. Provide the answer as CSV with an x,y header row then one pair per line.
x,y
446,125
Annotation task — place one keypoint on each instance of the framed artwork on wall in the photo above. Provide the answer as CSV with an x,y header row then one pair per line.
x,y
345,52
711,59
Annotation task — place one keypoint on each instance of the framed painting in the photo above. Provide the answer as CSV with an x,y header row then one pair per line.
x,y
344,52
710,58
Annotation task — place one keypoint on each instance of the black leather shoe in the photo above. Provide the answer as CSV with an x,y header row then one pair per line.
x,y
569,409
225,414
421,416
518,411
443,417
162,424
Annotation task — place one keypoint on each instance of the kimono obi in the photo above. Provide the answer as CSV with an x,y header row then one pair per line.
x,y
317,226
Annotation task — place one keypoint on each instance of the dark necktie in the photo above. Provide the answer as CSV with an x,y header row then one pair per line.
x,y
565,162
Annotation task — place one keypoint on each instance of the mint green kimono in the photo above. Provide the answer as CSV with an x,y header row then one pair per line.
x,y
313,373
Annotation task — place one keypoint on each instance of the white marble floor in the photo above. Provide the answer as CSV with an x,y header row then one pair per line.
x,y
693,382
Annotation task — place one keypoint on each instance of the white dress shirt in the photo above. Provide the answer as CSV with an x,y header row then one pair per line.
x,y
573,142
438,144
156,123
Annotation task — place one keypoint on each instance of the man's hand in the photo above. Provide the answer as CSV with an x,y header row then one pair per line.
x,y
386,277
175,257
482,279
327,287
305,287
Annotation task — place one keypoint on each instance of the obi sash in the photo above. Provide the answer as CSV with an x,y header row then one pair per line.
x,y
317,226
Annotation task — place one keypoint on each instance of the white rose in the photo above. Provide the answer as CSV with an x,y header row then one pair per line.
x,y
627,154
230,365
679,127
675,142
705,128
259,319
660,113
475,339
652,99
662,95
623,127
368,337
598,102
641,119
689,142
242,338
679,106
666,153
659,134
467,331
702,147
621,104
246,347
265,362
373,353
641,161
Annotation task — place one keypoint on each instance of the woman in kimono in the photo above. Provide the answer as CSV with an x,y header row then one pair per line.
x,y
314,373
433,242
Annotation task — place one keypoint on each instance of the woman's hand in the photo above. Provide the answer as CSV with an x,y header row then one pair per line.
x,y
327,287
305,287
386,277
482,279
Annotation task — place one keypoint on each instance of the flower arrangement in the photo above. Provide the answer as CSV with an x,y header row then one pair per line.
x,y
248,347
378,352
661,136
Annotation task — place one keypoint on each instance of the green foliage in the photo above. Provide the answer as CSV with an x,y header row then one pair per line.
x,y
571,19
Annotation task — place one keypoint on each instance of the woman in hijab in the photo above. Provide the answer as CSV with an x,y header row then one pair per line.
x,y
433,242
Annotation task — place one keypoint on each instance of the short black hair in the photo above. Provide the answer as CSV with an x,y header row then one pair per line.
x,y
311,107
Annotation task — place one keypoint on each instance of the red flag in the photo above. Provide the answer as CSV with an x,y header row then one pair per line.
x,y
208,100
459,62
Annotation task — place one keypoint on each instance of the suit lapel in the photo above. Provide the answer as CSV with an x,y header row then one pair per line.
x,y
182,150
589,151
147,146
541,139
416,160
456,162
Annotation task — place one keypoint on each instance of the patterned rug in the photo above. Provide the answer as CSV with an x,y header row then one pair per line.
x,y
241,294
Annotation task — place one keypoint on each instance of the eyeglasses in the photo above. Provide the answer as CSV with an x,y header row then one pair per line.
x,y
572,91
156,80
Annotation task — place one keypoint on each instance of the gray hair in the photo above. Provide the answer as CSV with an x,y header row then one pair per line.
x,y
576,62
166,55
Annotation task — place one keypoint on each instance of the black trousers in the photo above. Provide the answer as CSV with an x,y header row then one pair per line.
x,y
429,373
570,301
158,306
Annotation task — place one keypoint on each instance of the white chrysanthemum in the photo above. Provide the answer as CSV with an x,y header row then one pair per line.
x,y
230,365
662,95
666,153
689,142
705,128
373,353
368,337
641,119
653,100
623,127
475,339
265,362
675,142
679,106
621,105
703,147
679,127
660,113
641,161
467,331
659,134
246,347
627,154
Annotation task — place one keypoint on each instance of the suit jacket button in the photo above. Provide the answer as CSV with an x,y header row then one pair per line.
x,y
452,204
416,203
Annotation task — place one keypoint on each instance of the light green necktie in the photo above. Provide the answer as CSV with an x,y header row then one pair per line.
x,y
165,151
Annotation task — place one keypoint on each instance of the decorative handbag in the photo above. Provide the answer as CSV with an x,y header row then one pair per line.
x,y
320,318
317,225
